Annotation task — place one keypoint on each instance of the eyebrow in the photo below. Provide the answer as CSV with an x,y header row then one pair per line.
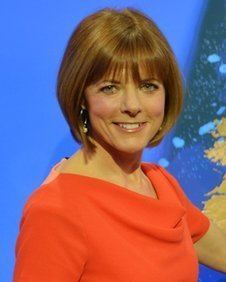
x,y
118,82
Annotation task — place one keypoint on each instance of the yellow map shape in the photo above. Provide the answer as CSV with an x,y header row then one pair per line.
x,y
215,207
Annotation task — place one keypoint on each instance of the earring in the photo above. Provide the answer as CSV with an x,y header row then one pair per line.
x,y
83,114
160,128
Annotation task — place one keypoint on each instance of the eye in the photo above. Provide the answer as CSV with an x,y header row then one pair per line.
x,y
106,88
109,88
150,86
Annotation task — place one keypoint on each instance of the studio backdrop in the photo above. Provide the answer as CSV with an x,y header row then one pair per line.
x,y
35,136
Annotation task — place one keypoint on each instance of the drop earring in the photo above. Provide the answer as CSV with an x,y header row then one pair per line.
x,y
84,118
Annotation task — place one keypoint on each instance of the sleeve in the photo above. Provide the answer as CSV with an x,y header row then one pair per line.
x,y
50,246
198,222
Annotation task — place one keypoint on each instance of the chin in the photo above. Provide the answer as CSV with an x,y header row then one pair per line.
x,y
129,148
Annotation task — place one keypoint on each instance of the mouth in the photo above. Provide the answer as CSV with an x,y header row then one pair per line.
x,y
130,127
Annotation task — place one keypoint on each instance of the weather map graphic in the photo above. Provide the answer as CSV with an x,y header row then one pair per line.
x,y
198,158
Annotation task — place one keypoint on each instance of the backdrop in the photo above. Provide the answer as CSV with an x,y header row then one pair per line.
x,y
35,136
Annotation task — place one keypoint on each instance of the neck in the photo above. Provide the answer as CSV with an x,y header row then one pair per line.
x,y
115,164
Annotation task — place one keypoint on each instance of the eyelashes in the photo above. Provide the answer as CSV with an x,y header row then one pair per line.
x,y
151,87
152,84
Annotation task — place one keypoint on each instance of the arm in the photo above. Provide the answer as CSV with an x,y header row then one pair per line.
x,y
211,248
208,240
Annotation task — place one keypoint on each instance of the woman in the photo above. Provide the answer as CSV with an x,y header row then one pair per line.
x,y
102,214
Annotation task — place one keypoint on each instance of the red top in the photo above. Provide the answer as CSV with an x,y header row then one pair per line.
x,y
80,228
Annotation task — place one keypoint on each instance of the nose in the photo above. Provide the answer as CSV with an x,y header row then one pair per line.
x,y
130,102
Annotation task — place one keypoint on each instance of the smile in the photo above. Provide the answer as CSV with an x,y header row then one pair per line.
x,y
131,127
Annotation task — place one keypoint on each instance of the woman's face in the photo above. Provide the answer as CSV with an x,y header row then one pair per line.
x,y
125,117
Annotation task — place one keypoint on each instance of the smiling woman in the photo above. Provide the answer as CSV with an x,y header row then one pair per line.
x,y
99,52
103,215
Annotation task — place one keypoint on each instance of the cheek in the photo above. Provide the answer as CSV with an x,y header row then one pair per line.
x,y
155,107
102,108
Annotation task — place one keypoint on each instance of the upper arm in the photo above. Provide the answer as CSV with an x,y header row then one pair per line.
x,y
211,248
208,240
50,246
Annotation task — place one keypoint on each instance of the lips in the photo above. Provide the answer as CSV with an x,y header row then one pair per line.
x,y
130,122
130,126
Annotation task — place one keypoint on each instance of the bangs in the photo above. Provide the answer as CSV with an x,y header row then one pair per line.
x,y
130,59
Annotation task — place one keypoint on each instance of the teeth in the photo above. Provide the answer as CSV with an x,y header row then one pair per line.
x,y
129,125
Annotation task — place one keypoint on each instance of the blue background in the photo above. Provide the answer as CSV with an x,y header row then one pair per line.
x,y
34,134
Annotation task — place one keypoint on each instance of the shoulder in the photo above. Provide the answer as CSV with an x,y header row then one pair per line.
x,y
53,197
51,228
48,211
42,202
158,169
171,179
161,170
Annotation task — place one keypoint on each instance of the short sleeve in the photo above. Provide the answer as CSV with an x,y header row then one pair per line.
x,y
198,222
50,246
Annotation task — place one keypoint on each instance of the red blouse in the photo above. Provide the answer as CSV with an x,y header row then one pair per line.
x,y
80,228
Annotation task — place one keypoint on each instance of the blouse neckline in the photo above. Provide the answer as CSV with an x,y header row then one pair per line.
x,y
146,168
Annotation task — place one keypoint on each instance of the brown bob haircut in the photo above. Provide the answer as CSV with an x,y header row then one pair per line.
x,y
107,42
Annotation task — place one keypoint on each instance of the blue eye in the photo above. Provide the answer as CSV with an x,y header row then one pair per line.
x,y
108,87
151,86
